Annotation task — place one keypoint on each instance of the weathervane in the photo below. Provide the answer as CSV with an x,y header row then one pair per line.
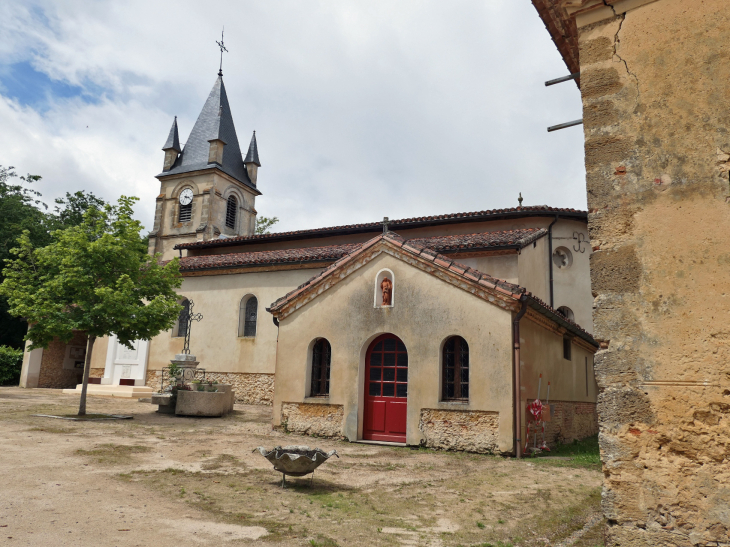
x,y
223,48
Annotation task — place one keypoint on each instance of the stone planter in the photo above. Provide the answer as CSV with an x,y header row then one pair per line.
x,y
205,403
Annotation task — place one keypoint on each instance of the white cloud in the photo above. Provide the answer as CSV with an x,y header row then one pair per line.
x,y
362,110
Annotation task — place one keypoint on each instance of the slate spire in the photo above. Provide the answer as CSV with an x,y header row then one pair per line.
x,y
215,123
173,141
253,152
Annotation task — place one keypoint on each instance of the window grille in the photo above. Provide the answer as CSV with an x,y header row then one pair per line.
x,y
321,358
186,213
182,319
456,369
247,317
231,209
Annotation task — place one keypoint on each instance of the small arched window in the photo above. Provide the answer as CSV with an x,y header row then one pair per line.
x,y
231,210
182,319
566,312
247,315
321,358
456,369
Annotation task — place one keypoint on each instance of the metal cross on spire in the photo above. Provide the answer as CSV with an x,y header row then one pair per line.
x,y
223,48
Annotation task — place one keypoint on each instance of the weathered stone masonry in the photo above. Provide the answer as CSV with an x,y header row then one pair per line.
x,y
320,420
656,100
250,389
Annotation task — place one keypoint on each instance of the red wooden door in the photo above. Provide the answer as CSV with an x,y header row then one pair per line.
x,y
386,390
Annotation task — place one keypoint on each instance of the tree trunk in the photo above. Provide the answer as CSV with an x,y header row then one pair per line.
x,y
87,368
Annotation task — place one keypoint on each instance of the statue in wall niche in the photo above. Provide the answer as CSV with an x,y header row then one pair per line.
x,y
387,287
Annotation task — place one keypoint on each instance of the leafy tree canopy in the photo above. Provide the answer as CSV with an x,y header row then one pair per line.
x,y
95,277
21,209
264,224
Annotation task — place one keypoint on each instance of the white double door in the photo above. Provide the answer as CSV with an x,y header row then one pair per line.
x,y
124,363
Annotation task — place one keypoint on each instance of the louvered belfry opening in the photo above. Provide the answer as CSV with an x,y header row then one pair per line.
x,y
456,369
231,209
186,213
321,358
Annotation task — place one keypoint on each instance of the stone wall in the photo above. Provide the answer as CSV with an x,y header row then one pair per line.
x,y
569,421
313,419
52,374
469,430
96,373
250,389
654,84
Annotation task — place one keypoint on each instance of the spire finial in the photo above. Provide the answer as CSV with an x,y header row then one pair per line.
x,y
223,48
520,200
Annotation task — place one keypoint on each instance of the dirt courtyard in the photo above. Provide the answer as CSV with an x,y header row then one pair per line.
x,y
166,480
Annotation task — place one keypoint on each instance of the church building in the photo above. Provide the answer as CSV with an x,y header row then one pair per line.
x,y
435,330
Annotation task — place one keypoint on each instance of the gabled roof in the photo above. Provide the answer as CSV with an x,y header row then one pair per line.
x,y
496,291
488,241
173,141
405,223
214,122
253,152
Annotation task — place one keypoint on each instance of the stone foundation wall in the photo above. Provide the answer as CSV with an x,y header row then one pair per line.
x,y
468,430
251,389
313,419
96,373
569,421
52,374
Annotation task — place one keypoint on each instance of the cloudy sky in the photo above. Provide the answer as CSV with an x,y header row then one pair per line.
x,y
362,108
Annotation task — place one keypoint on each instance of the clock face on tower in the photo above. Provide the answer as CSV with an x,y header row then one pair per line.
x,y
186,196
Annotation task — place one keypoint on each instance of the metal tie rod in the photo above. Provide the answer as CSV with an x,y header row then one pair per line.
x,y
564,125
563,79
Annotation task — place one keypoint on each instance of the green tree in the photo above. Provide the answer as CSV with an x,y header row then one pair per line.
x,y
264,224
20,210
69,211
95,277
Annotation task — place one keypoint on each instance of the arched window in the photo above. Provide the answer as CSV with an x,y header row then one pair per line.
x,y
566,312
321,357
231,209
456,369
247,314
182,319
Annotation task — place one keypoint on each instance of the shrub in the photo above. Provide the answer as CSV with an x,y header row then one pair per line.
x,y
11,361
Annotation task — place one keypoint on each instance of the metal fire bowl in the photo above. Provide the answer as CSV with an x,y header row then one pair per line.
x,y
296,461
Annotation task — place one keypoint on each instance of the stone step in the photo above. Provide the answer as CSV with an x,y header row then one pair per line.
x,y
127,392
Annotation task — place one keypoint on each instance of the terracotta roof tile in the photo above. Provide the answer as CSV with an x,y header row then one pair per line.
x,y
306,254
509,289
414,222
483,240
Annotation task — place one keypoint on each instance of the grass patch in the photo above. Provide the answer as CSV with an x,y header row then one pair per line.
x,y
581,454
112,453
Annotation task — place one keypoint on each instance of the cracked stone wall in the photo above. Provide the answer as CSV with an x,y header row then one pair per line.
x,y
319,420
656,98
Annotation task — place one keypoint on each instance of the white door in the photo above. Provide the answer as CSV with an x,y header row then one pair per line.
x,y
125,363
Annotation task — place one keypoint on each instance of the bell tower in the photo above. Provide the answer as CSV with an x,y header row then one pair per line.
x,y
207,188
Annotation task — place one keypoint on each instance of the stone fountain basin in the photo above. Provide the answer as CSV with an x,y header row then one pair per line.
x,y
296,461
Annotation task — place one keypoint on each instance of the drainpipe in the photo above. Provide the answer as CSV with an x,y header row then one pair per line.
x,y
550,256
516,379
